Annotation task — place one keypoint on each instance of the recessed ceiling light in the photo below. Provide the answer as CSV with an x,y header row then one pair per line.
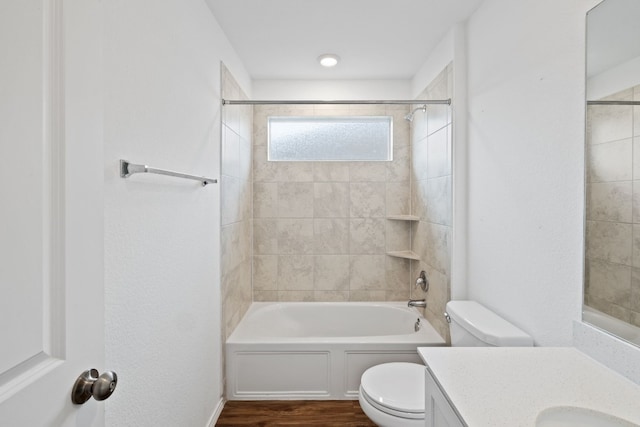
x,y
328,60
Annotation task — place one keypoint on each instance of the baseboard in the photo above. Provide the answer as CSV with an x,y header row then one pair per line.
x,y
216,413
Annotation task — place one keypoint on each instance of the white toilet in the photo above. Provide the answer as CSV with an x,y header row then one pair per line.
x,y
392,394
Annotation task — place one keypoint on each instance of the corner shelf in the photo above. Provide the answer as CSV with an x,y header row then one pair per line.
x,y
405,254
403,217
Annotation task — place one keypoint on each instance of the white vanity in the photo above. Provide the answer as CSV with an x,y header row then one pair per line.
x,y
533,387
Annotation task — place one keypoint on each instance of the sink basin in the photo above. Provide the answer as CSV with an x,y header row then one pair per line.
x,y
571,416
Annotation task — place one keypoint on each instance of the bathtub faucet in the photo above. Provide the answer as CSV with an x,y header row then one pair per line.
x,y
417,303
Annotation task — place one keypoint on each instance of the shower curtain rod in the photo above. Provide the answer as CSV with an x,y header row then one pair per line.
x,y
318,102
613,102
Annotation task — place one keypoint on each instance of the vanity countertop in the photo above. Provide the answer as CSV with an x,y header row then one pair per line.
x,y
494,386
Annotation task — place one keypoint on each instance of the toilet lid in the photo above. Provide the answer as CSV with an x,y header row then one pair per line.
x,y
396,386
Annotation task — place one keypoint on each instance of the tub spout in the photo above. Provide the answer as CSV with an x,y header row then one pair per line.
x,y
417,303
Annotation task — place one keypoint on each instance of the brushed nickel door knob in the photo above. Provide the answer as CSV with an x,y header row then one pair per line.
x,y
90,384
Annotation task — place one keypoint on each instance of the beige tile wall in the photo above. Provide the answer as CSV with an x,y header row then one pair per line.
x,y
320,228
612,265
431,199
236,206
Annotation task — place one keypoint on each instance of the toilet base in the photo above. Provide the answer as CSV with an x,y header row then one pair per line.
x,y
383,419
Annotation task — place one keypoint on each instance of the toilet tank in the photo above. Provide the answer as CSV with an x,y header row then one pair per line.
x,y
473,325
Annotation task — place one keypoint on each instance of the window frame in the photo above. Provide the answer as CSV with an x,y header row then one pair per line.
x,y
319,119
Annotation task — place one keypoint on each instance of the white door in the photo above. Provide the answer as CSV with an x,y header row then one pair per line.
x,y
51,210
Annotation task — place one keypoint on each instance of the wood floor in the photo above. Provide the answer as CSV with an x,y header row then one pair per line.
x,y
345,413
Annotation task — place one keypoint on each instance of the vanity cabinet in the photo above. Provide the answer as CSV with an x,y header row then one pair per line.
x,y
514,386
438,411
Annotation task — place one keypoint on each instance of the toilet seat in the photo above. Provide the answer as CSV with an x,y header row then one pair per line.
x,y
396,389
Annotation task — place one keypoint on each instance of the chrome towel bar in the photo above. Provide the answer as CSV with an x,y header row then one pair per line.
x,y
127,169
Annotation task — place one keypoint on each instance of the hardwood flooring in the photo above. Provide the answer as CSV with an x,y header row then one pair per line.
x,y
343,413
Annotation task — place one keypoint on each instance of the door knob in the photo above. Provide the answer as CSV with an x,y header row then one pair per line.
x,y
90,384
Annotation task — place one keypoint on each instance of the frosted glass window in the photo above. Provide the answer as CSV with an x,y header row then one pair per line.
x,y
368,138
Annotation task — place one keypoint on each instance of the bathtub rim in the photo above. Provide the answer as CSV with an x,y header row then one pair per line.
x,y
426,336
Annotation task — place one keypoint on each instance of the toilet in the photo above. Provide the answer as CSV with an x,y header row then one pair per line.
x,y
392,394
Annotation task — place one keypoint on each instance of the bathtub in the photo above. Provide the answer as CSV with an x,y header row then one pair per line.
x,y
319,350
611,325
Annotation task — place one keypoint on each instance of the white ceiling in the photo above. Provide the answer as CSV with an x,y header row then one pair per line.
x,y
376,39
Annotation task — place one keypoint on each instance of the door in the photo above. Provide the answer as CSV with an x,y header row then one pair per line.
x,y
51,210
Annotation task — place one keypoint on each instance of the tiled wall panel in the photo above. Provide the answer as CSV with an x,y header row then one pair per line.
x,y
236,206
431,199
320,228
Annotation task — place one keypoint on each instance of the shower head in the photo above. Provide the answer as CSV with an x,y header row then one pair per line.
x,y
409,117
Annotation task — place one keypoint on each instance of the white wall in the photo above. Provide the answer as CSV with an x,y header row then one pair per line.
x,y
162,108
525,184
441,55
331,89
